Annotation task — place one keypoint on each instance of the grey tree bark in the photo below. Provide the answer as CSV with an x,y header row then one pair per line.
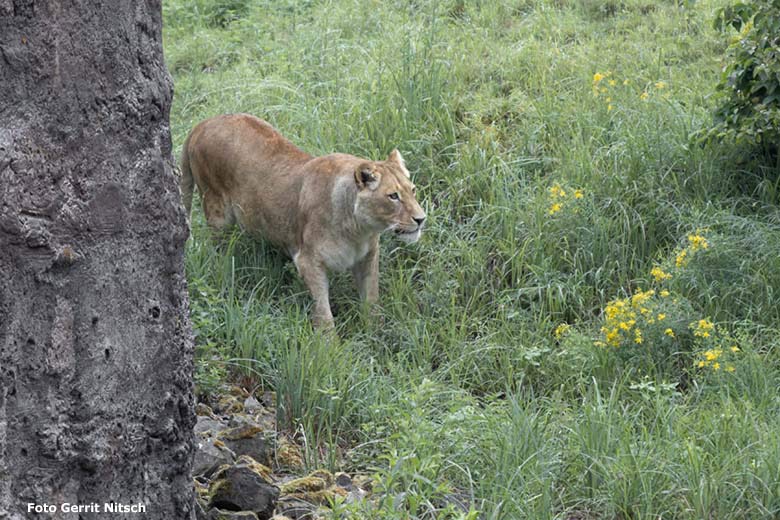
x,y
95,346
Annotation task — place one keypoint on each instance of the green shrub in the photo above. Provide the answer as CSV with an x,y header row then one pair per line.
x,y
749,110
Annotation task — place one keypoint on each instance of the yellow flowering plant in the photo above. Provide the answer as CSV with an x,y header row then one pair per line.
x,y
560,197
610,89
657,325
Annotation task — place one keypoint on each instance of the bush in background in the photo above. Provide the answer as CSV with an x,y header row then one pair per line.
x,y
749,110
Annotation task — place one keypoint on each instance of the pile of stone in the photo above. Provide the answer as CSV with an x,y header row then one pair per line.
x,y
243,469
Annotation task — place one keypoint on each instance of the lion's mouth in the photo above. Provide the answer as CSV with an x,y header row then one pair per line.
x,y
408,235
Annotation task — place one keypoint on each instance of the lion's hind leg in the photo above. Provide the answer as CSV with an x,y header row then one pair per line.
x,y
218,212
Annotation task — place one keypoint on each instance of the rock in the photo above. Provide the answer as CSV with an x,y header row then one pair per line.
x,y
364,482
252,405
238,391
229,405
288,455
203,410
295,509
321,497
219,514
200,510
355,495
265,471
343,480
201,488
210,454
208,426
316,489
242,487
304,484
268,399
249,440
242,420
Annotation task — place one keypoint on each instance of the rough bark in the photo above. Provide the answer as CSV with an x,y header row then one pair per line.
x,y
95,348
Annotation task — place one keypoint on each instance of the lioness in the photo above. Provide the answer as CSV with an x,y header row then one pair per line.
x,y
325,212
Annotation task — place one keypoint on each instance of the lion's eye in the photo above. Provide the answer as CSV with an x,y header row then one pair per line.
x,y
394,196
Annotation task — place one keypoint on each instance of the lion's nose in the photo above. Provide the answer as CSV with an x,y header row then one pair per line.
x,y
419,220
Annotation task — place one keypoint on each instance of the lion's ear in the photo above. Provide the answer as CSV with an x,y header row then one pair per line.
x,y
366,177
395,156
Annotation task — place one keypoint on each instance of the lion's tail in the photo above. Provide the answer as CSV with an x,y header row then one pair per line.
x,y
186,183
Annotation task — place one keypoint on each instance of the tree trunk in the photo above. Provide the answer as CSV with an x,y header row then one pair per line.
x,y
95,347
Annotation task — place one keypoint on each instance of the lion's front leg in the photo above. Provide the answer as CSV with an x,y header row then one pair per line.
x,y
316,278
366,274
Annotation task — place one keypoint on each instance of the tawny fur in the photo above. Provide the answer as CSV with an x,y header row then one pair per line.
x,y
326,212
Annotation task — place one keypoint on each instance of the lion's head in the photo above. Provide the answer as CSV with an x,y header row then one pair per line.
x,y
386,198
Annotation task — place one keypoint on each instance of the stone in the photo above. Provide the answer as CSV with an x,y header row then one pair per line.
x,y
208,427
229,405
252,405
288,455
262,469
202,409
200,510
343,480
210,454
304,484
238,391
316,489
296,509
364,482
249,440
219,514
242,488
355,495
243,420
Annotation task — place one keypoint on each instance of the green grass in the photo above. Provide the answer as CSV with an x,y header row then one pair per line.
x,y
459,391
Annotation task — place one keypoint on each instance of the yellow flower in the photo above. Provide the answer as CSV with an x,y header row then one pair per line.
x,y
556,191
698,242
609,108
640,298
730,368
555,208
625,82
597,77
643,96
664,293
669,332
712,355
682,258
561,330
716,366
660,84
661,316
612,83
701,364
638,336
659,274
734,348
702,328
578,194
